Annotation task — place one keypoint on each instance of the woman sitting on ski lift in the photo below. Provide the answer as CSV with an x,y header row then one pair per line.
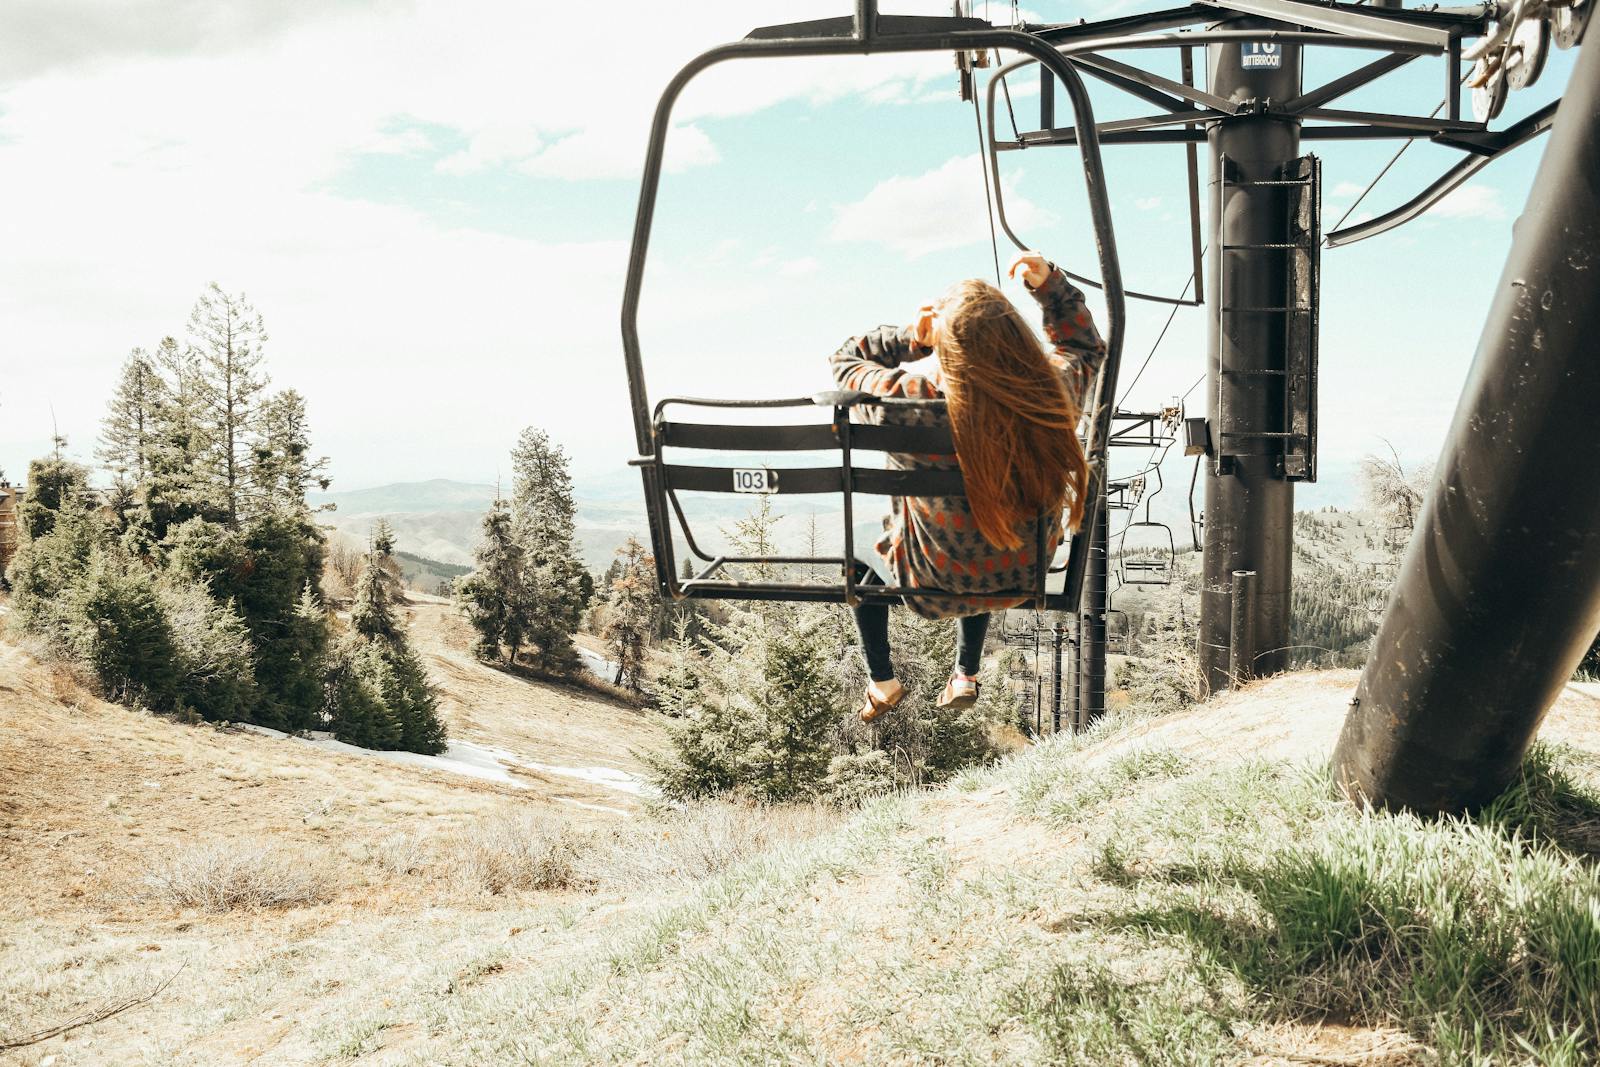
x,y
1012,409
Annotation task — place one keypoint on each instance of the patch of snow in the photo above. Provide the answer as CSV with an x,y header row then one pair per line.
x,y
609,777
598,665
474,761
458,757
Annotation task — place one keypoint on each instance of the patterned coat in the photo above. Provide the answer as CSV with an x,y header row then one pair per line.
x,y
934,542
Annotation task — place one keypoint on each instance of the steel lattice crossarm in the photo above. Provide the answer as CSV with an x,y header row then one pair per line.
x,y
1264,27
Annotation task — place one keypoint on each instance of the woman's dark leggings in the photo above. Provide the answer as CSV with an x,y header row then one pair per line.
x,y
872,620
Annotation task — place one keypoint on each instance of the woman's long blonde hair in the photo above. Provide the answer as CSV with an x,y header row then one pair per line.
x,y
1015,425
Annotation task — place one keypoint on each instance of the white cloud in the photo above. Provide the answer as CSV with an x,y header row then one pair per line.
x,y
491,147
1147,203
594,153
796,268
943,208
1348,190
1471,202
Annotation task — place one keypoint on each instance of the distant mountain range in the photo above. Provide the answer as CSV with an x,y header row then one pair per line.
x,y
441,519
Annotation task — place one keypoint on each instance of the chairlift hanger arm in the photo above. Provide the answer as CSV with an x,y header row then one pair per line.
x,y
1532,126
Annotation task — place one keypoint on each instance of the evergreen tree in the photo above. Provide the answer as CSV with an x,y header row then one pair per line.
x,y
543,519
46,570
263,570
178,485
380,696
492,597
55,484
122,632
358,712
282,470
213,656
372,613
793,748
130,433
227,334
631,613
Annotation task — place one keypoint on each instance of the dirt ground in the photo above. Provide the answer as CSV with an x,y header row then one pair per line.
x,y
92,793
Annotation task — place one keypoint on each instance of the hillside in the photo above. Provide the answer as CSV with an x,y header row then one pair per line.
x,y
441,519
1085,902
94,791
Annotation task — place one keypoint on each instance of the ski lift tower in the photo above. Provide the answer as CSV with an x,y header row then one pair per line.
x,y
1254,115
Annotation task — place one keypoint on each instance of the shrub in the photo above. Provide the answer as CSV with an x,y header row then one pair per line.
x,y
225,876
120,629
212,651
401,853
856,777
516,852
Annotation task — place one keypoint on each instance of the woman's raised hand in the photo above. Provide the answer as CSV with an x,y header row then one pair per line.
x,y
1035,268
925,330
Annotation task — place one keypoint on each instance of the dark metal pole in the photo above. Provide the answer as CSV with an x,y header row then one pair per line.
x,y
1092,626
1499,592
1249,505
1242,650
1055,686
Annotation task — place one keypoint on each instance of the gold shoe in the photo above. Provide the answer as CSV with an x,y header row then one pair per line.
x,y
875,706
959,693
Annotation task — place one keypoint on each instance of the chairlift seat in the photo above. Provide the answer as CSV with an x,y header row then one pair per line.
x,y
846,479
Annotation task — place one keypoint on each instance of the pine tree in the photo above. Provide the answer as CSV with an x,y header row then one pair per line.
x,y
358,711
179,484
130,434
380,696
543,517
282,470
793,749
493,597
227,334
263,570
55,483
372,614
631,613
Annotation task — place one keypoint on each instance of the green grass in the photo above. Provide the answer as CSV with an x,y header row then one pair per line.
x,y
1201,913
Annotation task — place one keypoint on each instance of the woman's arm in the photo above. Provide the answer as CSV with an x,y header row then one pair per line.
x,y
1067,322
871,362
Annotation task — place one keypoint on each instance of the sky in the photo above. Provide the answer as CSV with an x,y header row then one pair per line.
x,y
431,205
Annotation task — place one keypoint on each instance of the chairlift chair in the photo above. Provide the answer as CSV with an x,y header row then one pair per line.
x,y
862,33
1119,632
1152,564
